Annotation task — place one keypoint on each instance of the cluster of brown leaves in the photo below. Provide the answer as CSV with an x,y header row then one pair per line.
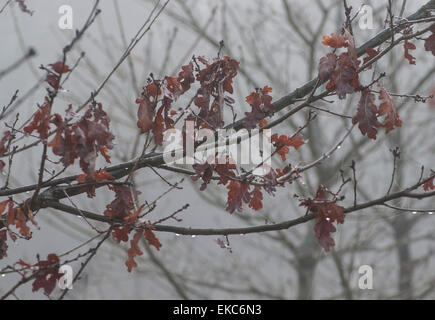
x,y
90,180
342,70
41,120
239,192
124,203
122,208
215,81
326,213
215,78
45,272
225,170
83,139
342,73
121,233
14,217
156,111
283,142
134,250
19,216
368,113
261,107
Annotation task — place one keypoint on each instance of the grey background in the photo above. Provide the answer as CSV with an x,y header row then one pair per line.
x,y
264,266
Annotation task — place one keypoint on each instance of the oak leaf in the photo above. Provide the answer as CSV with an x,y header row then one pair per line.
x,y
409,46
335,41
428,185
125,198
261,106
345,76
256,198
387,108
41,121
366,115
237,192
152,239
283,142
46,274
203,171
326,66
134,251
121,233
186,77
326,213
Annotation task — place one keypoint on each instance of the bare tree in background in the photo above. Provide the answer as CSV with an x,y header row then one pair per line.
x,y
333,140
